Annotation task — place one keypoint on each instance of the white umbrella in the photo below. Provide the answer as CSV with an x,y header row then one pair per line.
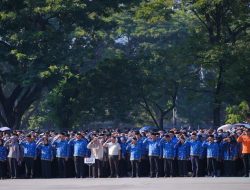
x,y
242,124
5,129
226,127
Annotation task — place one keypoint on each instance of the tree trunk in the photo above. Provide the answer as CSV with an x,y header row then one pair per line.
x,y
217,97
161,120
12,108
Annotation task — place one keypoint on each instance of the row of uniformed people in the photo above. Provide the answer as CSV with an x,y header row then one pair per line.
x,y
183,150
170,151
29,150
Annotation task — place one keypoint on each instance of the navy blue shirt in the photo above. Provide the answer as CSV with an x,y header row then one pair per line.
x,y
3,153
80,147
135,151
154,147
195,148
46,151
212,149
62,148
29,149
168,150
183,151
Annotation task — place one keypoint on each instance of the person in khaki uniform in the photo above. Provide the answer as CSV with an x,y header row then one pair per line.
x,y
96,152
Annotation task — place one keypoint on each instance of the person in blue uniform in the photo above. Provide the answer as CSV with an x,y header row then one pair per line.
x,y
3,159
62,152
30,154
218,140
154,150
80,152
135,149
174,140
144,164
212,155
123,162
230,155
183,151
203,156
46,154
168,153
195,154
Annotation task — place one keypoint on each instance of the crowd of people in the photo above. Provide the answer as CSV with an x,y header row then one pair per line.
x,y
125,153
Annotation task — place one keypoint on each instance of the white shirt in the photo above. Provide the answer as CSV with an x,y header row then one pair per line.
x,y
96,150
114,148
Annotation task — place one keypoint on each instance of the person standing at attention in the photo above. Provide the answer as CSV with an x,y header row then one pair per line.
x,y
244,139
114,153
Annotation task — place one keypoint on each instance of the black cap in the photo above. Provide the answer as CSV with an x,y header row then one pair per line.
x,y
62,133
135,139
167,136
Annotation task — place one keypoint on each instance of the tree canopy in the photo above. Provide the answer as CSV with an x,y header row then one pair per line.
x,y
158,62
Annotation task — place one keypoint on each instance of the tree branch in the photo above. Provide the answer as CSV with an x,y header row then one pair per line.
x,y
147,108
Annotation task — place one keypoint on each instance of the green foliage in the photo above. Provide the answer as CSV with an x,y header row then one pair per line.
x,y
125,61
237,113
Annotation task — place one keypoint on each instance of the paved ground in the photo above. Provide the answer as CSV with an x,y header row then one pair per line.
x,y
128,183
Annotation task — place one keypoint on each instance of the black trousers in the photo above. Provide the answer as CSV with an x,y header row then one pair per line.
x,y
135,168
62,167
202,167
175,167
182,167
13,167
246,162
211,166
195,165
144,166
113,164
29,166
70,167
96,168
229,168
154,166
37,168
54,168
123,169
46,168
168,167
3,169
105,168
79,166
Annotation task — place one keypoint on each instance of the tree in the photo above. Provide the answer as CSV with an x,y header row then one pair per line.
x,y
237,113
225,23
37,39
158,41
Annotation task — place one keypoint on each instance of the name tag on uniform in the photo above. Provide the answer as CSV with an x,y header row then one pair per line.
x,y
89,160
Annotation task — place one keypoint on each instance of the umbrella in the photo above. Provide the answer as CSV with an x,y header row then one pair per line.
x,y
242,124
226,127
148,128
5,129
